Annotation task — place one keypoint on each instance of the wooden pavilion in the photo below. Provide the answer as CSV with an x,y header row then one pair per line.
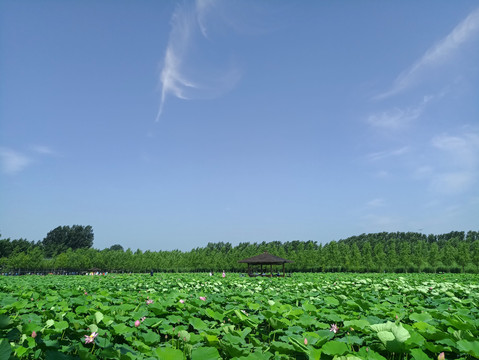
x,y
264,259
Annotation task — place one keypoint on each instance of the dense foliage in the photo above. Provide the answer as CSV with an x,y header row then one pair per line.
x,y
195,316
63,238
381,252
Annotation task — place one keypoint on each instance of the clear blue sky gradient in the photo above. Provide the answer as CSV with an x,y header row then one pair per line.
x,y
167,125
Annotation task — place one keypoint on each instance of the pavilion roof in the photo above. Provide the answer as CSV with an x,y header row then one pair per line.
x,y
265,258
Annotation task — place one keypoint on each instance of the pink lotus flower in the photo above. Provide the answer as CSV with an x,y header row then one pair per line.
x,y
137,323
148,302
90,338
34,334
203,298
441,356
305,341
182,301
86,293
334,328
143,318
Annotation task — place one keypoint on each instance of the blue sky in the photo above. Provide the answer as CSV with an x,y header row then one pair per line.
x,y
167,125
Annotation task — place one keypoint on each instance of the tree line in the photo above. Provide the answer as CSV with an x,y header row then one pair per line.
x,y
400,252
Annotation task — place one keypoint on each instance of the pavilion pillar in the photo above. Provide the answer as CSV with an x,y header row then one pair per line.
x,y
283,270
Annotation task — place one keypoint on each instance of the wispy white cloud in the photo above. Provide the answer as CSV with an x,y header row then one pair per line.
x,y
187,72
461,156
452,182
387,154
204,7
13,161
439,53
463,149
398,118
172,79
381,174
394,119
375,203
42,149
455,160
423,171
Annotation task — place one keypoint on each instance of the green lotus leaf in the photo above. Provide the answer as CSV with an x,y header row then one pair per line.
x,y
360,324
335,348
211,340
198,324
424,317
366,353
347,357
98,317
61,325
331,301
383,327
57,355
5,349
469,347
169,354
392,336
205,353
218,316
282,347
4,321
120,329
418,354
298,344
20,350
386,336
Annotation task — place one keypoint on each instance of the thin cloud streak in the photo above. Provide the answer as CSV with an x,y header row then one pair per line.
x,y
463,149
398,118
12,161
395,118
387,154
375,203
181,76
42,149
203,7
456,163
172,80
444,49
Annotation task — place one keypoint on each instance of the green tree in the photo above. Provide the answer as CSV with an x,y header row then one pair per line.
x,y
63,238
419,255
379,257
116,247
405,255
433,256
463,255
366,254
475,254
356,259
391,257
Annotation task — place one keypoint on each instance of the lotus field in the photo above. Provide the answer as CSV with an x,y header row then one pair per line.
x,y
201,317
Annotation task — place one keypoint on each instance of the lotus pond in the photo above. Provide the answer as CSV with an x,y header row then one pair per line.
x,y
195,316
